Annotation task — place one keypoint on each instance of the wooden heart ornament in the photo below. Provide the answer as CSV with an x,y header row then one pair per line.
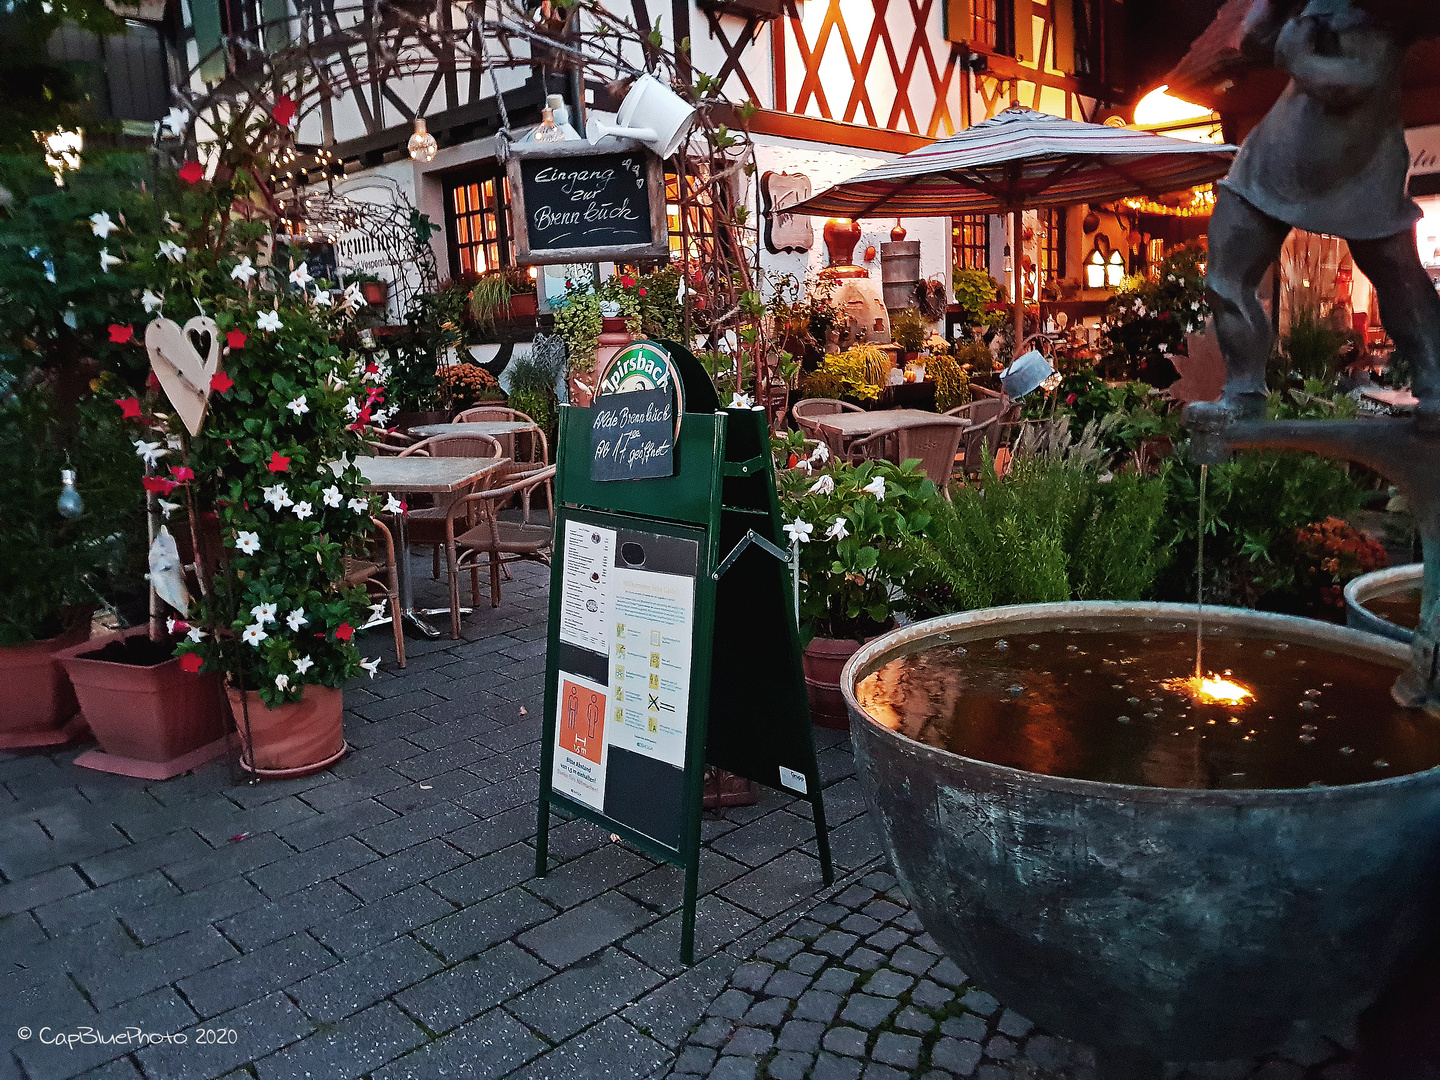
x,y
184,374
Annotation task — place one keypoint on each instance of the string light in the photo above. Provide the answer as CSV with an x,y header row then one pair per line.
x,y
1200,204
69,505
422,144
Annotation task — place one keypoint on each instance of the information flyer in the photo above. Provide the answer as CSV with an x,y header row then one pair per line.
x,y
654,619
579,770
585,593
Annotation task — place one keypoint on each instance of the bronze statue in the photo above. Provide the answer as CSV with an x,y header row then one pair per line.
x,y
1329,157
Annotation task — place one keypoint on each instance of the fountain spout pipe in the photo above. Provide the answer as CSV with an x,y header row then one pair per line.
x,y
1401,450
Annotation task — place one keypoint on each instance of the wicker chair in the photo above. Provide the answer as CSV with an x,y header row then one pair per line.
x,y
502,541
806,412
533,448
380,559
933,445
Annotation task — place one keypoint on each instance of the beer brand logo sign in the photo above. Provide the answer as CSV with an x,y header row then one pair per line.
x,y
642,365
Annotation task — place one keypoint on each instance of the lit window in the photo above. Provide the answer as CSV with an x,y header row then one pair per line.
x,y
1114,270
1095,269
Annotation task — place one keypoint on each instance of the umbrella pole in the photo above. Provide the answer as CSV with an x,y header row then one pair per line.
x,y
1017,276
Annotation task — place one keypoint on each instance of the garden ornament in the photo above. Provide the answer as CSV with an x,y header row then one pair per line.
x,y
1025,375
167,576
184,374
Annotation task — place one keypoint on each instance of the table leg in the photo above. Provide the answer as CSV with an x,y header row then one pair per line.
x,y
407,595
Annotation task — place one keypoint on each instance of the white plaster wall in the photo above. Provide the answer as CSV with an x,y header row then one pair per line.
x,y
827,165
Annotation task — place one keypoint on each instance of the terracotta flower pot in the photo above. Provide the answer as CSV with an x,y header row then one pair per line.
x,y
151,719
375,292
299,737
39,706
524,306
822,660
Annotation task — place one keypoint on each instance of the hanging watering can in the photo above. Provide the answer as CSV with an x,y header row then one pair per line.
x,y
651,113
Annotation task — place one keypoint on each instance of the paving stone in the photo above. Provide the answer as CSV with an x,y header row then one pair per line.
x,y
887,983
806,930
865,959
611,1050
860,924
969,1026
992,1071
161,1011
695,1059
929,995
1000,1048
787,983
752,976
819,1005
834,942
1013,1024
383,920
75,951
389,875
780,950
959,1056
717,924
565,938
346,821
584,993
735,1068
492,834
807,963
902,1051
261,1027
732,1004
827,914
192,910
110,981
909,959
319,905
777,885
402,832
769,1012
480,878
877,1071
713,1031
228,861
857,895
364,979
846,1040
475,928
837,980
803,1035
32,892
883,911
319,864
668,1011
86,908
137,858
580,879
911,923
980,1003
245,978
947,974
868,1012
753,1041
351,1048
831,1067
789,1065
888,939
912,1019
458,994
765,838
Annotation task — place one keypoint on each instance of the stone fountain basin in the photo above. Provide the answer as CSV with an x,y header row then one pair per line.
x,y
1186,925
1374,585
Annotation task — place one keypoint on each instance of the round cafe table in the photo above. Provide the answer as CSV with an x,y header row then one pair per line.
x,y
491,428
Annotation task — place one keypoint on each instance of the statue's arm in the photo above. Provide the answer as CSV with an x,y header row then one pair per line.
x,y
1261,30
1341,79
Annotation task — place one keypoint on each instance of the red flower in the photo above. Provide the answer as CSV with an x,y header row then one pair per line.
x,y
284,110
278,463
129,408
152,382
192,172
642,292
158,485
344,632
192,663
182,472
1072,399
119,334
220,382
628,281
794,460
235,338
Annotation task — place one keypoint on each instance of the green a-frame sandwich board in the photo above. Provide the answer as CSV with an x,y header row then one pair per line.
x,y
744,704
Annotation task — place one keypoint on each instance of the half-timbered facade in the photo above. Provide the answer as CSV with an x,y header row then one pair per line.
x,y
836,85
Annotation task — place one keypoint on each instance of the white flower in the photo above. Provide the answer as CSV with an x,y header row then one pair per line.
x,y
332,497
302,510
821,454
379,416
247,542
392,505
353,298
171,223
150,452
151,301
254,634
360,506
277,496
824,486
296,619
170,626
799,531
298,406
804,465
371,666
740,401
282,681
172,251
175,121
876,487
322,296
837,530
195,634
101,225
264,613
168,508
301,275
351,409
269,320
303,665
244,270
377,611
107,260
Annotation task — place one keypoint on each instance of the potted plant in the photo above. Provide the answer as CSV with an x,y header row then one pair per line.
x,y
907,330
286,404
854,525
524,302
489,300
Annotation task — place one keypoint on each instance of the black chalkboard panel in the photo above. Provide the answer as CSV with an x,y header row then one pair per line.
x,y
573,202
632,436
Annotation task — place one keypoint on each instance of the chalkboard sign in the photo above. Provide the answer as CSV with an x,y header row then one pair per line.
x,y
632,436
573,202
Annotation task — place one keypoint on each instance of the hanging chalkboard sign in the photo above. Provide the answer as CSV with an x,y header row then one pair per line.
x,y
632,436
573,202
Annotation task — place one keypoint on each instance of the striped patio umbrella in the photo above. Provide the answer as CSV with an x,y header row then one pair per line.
x,y
1022,160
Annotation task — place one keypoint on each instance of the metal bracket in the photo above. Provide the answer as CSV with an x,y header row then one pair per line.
x,y
792,557
743,468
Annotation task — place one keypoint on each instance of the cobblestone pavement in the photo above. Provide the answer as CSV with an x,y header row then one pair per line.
x,y
382,919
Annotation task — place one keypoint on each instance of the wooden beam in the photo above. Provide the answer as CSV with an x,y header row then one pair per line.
x,y
789,126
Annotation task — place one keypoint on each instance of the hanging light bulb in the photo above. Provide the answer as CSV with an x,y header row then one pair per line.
x,y
1009,262
548,131
422,145
69,504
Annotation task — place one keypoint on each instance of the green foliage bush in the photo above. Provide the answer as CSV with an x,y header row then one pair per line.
x,y
1150,317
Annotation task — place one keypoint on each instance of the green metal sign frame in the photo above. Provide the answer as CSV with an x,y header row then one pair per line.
x,y
748,711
